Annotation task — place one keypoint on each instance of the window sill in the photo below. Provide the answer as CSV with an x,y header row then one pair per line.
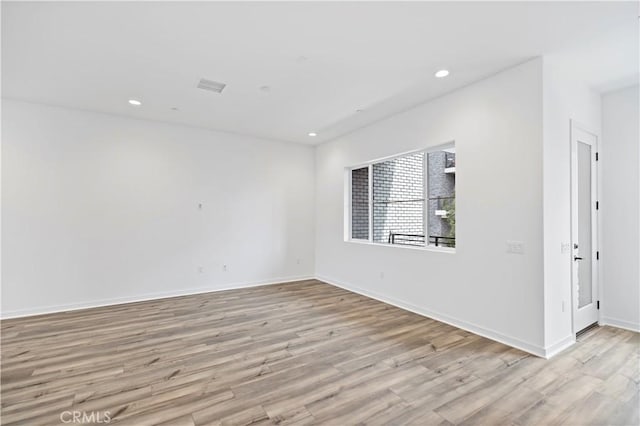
x,y
449,250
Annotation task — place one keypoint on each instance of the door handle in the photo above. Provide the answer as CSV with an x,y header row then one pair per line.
x,y
577,258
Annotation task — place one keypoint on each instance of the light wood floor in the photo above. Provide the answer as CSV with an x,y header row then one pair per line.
x,y
302,353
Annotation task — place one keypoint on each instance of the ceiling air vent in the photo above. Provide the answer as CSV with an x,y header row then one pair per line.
x,y
212,86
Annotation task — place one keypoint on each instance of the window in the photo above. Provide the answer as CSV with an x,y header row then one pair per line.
x,y
441,211
395,200
398,200
360,203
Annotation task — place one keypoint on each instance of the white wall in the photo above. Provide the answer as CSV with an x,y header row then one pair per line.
x,y
99,209
620,209
565,99
497,126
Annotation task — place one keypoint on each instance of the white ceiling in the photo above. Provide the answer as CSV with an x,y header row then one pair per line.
x,y
321,60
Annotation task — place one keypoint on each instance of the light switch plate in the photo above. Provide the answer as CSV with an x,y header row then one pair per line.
x,y
515,247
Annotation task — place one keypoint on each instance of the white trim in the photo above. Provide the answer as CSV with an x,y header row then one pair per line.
x,y
348,202
425,195
370,200
440,147
559,346
473,328
143,297
450,250
624,324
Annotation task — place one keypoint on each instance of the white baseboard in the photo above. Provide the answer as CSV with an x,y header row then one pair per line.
x,y
559,346
143,297
465,325
614,322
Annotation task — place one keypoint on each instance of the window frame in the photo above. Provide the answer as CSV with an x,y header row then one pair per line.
x,y
425,210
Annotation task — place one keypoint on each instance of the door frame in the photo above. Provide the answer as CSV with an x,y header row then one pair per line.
x,y
575,128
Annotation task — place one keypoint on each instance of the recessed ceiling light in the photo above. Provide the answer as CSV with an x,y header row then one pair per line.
x,y
442,73
312,134
265,88
359,110
135,102
175,109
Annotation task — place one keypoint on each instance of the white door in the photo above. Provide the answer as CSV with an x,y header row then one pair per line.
x,y
584,229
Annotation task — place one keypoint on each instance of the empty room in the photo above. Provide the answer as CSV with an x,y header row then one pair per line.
x,y
323,213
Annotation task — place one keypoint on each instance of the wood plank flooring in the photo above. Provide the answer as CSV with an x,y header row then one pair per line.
x,y
301,353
